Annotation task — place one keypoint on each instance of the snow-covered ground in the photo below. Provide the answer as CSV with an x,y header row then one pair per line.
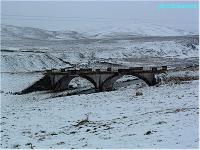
x,y
118,53
21,62
164,116
132,116
22,54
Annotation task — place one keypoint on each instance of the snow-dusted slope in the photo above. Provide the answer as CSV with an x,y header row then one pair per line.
x,y
136,30
150,49
30,62
13,32
54,49
10,32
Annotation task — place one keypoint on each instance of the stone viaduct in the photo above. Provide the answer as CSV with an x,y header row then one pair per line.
x,y
103,80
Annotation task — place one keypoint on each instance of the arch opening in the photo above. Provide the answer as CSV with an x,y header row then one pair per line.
x,y
125,81
81,82
72,82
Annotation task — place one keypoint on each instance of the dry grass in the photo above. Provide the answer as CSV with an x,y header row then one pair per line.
x,y
179,80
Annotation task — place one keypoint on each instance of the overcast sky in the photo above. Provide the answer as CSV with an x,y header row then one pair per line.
x,y
82,15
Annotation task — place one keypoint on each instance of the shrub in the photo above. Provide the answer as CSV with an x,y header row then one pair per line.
x,y
138,93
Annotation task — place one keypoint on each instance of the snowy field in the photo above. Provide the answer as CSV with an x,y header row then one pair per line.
x,y
133,115
164,116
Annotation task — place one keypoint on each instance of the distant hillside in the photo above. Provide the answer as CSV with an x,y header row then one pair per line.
x,y
10,32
